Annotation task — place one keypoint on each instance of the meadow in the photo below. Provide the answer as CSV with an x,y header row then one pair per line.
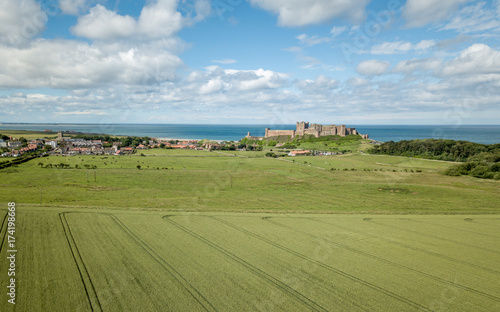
x,y
210,181
236,231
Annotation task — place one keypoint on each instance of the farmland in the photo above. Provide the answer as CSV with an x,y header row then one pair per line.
x,y
235,231
88,260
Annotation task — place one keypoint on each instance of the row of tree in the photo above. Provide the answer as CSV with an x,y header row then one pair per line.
x,y
479,160
440,149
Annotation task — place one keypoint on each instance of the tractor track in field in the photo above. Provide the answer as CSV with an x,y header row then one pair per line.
x,y
450,227
374,221
3,229
367,254
176,275
88,285
432,253
265,276
328,267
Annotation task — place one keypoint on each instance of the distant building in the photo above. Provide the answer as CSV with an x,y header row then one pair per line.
x,y
303,128
15,144
3,143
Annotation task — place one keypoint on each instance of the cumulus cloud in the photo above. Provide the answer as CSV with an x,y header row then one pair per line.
x,y
419,13
158,19
65,64
74,7
300,13
477,59
402,47
320,85
414,65
20,21
101,23
372,67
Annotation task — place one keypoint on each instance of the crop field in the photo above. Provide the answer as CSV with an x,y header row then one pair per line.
x,y
178,230
109,260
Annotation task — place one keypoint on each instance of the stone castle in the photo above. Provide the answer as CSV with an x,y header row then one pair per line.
x,y
317,130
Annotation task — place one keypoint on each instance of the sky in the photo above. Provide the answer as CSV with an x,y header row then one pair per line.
x,y
364,62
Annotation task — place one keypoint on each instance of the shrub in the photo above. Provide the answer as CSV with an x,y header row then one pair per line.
x,y
479,171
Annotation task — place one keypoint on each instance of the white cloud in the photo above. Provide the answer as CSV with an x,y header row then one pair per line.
x,y
157,20
300,13
320,85
476,59
74,7
312,40
103,24
62,64
414,65
372,67
225,61
337,30
401,47
475,18
20,20
419,13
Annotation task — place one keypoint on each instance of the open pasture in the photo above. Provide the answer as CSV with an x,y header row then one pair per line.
x,y
211,181
102,260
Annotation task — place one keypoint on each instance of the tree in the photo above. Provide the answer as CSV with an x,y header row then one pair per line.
x,y
139,167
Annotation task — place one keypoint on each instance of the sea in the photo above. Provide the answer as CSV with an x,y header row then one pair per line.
x,y
484,134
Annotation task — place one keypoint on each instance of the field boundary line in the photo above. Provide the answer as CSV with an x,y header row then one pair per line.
x,y
3,229
374,221
171,270
93,298
437,278
265,276
432,253
328,267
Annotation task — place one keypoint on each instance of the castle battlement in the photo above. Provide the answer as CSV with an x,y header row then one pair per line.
x,y
318,130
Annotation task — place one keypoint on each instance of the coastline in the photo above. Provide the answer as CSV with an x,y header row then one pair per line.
x,y
484,134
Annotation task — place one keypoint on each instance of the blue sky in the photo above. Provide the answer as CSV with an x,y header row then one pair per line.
x,y
250,61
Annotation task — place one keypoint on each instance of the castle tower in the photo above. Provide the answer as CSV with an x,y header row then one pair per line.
x,y
267,133
342,130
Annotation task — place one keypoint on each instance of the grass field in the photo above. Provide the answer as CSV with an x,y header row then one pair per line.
x,y
88,260
210,181
210,231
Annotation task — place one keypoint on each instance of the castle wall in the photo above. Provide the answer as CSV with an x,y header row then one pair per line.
x,y
274,133
317,130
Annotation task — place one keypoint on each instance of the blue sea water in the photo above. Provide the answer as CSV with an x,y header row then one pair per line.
x,y
478,134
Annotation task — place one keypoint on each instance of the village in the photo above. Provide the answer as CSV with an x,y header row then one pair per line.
x,y
70,146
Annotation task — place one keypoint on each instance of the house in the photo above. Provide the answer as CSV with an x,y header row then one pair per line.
x,y
3,143
299,153
51,143
15,144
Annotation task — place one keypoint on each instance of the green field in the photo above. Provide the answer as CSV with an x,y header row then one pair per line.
x,y
211,231
210,181
87,260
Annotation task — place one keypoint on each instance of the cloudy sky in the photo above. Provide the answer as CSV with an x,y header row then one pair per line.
x,y
250,61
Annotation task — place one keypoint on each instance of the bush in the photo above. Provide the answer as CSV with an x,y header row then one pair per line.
x,y
479,171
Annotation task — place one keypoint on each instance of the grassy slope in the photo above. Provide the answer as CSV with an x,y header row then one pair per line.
x,y
218,181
